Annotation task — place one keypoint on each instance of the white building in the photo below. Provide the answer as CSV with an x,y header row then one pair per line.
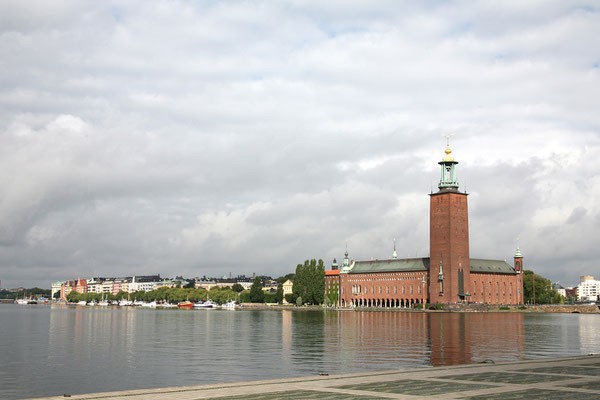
x,y
56,288
145,283
588,289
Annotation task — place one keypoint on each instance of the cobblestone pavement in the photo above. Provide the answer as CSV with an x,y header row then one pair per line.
x,y
550,379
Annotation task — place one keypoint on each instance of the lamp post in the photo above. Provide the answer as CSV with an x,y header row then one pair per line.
x,y
533,291
424,292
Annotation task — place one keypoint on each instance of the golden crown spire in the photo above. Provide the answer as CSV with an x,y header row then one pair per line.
x,y
448,151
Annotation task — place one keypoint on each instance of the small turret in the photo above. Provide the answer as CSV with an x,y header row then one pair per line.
x,y
334,265
346,264
518,261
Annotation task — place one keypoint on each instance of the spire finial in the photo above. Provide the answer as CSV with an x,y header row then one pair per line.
x,y
518,250
448,151
394,254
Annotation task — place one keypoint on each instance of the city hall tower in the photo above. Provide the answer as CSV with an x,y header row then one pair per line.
x,y
450,270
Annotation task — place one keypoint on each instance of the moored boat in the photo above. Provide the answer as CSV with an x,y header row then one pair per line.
x,y
188,305
230,305
207,305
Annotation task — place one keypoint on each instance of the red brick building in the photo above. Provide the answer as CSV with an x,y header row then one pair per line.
x,y
449,275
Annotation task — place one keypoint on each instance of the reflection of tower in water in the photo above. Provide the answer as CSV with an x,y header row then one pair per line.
x,y
464,338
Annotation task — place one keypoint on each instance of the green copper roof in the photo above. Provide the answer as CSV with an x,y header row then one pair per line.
x,y
518,253
422,264
491,266
395,265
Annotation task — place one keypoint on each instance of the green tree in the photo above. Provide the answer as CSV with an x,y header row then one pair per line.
x,y
257,295
289,298
544,292
121,295
244,297
236,287
299,301
279,294
74,297
283,279
270,298
309,282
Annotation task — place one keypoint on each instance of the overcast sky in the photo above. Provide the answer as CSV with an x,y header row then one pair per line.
x,y
204,137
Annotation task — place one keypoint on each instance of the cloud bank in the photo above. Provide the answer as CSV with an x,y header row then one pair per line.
x,y
206,138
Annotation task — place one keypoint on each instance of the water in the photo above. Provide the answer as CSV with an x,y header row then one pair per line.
x,y
55,350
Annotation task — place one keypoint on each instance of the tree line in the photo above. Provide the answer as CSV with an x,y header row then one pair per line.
x,y
219,295
35,292
544,291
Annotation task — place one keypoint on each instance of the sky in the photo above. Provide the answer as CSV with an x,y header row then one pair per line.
x,y
213,137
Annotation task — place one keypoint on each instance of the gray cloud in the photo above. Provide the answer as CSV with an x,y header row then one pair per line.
x,y
246,137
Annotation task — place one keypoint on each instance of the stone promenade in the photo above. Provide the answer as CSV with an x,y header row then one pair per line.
x,y
548,379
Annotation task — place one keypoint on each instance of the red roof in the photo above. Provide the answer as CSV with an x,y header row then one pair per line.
x,y
336,272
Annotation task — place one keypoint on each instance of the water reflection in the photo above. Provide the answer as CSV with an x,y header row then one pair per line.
x,y
51,351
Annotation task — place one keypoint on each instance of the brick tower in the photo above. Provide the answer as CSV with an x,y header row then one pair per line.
x,y
449,269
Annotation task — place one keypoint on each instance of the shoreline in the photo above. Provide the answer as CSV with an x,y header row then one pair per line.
x,y
446,308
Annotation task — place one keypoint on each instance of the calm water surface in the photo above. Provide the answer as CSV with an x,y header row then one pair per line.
x,y
55,350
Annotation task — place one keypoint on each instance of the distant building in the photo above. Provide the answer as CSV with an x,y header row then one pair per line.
x,y
144,282
56,288
79,286
287,287
332,283
560,289
588,289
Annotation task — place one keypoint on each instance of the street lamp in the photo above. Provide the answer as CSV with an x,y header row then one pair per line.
x,y
424,292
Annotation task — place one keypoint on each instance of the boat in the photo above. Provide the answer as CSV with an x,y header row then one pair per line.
x,y
152,304
138,303
187,305
167,305
207,305
103,302
93,303
125,302
82,303
230,305
22,301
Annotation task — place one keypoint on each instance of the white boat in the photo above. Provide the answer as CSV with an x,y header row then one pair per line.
x,y
149,305
22,301
138,303
82,303
92,303
167,305
125,302
103,303
207,305
230,305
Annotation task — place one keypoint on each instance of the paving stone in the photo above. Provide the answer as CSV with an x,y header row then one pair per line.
x,y
415,387
595,385
535,394
299,395
506,377
570,370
